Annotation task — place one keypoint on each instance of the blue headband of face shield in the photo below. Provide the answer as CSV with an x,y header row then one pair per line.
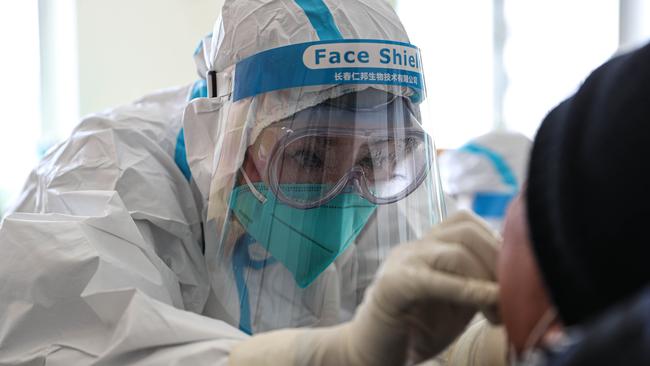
x,y
331,62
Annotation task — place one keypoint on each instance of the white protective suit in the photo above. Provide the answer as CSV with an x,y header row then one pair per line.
x,y
103,255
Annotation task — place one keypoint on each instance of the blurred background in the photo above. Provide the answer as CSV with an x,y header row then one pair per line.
x,y
489,64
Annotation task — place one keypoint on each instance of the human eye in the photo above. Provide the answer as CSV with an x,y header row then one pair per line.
x,y
366,162
382,164
307,159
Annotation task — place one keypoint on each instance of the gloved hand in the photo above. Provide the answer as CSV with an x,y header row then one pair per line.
x,y
423,296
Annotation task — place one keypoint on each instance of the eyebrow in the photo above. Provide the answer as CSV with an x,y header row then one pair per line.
x,y
408,143
319,141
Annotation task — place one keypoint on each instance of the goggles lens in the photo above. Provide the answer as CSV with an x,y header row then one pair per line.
x,y
309,169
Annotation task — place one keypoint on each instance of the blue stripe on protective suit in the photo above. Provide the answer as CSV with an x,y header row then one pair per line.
x,y
240,261
200,45
199,90
504,171
321,19
198,49
180,155
493,204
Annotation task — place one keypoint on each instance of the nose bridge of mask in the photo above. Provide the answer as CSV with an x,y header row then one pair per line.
x,y
304,241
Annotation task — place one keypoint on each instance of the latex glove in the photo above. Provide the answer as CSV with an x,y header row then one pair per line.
x,y
440,322
423,296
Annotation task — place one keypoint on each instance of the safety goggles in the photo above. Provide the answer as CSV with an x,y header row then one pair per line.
x,y
370,144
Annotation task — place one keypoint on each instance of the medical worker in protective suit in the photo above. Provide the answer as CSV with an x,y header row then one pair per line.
x,y
164,232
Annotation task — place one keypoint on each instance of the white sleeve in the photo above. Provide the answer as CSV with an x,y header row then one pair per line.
x,y
101,262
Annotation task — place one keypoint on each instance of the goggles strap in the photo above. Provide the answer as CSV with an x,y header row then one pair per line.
x,y
260,197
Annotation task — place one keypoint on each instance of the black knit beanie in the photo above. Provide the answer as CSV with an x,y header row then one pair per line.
x,y
588,193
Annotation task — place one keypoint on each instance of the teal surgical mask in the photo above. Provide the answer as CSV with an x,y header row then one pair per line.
x,y
305,241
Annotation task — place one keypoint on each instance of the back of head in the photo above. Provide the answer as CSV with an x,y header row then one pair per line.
x,y
588,190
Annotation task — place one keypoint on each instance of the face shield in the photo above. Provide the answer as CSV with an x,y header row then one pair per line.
x,y
322,164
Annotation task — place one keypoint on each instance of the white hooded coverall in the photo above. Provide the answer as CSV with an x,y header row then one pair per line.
x,y
102,256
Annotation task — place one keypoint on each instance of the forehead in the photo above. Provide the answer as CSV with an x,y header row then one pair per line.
x,y
370,113
357,111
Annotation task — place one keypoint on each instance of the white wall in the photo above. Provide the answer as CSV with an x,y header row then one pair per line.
x,y
456,41
552,46
635,23
19,95
59,65
129,48
93,54
478,80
